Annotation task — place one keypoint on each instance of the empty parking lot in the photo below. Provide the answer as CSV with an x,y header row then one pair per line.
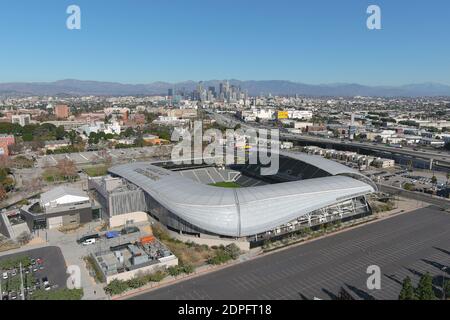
x,y
406,245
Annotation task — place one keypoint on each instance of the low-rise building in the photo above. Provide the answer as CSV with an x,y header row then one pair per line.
x,y
52,145
130,258
5,142
60,207
383,163
21,119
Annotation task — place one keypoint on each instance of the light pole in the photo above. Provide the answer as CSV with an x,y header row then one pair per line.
x,y
21,283
443,282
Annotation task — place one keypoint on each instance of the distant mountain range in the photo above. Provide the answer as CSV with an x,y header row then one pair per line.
x,y
72,87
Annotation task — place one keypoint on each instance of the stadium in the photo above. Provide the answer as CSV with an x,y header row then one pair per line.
x,y
306,191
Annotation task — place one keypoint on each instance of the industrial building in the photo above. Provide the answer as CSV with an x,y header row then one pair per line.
x,y
59,207
128,257
307,190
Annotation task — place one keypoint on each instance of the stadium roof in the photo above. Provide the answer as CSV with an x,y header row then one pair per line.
x,y
245,211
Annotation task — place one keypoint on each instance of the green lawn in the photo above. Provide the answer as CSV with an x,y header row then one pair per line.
x,y
225,184
96,171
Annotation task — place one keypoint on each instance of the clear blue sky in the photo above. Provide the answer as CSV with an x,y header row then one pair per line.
x,y
311,41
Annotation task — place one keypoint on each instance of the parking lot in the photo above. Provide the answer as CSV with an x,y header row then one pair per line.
x,y
410,244
90,157
421,179
43,268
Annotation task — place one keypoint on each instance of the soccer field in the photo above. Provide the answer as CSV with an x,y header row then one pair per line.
x,y
225,184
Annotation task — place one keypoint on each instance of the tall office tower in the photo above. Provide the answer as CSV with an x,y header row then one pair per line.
x,y
170,92
221,88
212,89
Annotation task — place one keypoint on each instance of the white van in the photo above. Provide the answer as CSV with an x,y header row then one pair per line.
x,y
88,242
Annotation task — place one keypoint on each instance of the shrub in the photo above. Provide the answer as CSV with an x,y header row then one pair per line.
x,y
188,269
174,271
157,276
116,287
233,250
136,282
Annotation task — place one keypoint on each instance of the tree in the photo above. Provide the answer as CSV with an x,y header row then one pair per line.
x,y
67,168
424,290
434,179
24,238
447,289
3,194
407,292
72,135
60,133
129,132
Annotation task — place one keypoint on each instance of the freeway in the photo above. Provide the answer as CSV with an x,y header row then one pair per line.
x,y
441,159
409,244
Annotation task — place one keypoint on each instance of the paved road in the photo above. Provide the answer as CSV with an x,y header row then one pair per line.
x,y
406,245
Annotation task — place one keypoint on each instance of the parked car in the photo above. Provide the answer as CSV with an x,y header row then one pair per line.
x,y
112,234
129,230
89,242
88,237
45,281
5,275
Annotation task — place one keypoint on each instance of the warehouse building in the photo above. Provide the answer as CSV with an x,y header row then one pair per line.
x,y
59,207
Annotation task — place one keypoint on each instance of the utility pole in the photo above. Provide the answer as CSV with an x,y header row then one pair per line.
x,y
21,283
443,282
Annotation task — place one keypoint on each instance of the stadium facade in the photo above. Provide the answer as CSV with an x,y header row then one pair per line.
x,y
307,189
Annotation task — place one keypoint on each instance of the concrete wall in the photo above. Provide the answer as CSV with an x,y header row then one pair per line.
x,y
5,225
149,269
121,220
